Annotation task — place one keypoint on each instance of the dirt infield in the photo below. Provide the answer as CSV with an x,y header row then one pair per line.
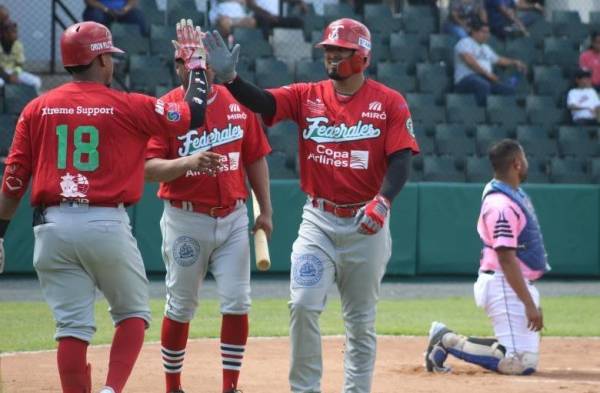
x,y
568,365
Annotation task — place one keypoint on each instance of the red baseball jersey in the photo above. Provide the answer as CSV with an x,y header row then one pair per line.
x,y
86,142
230,129
344,142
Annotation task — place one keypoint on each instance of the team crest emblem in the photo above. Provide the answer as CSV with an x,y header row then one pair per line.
x,y
308,270
173,113
334,34
74,186
185,251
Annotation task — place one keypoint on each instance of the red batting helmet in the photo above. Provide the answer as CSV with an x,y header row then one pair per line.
x,y
82,42
350,34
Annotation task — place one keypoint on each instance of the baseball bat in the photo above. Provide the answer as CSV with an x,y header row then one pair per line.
x,y
261,247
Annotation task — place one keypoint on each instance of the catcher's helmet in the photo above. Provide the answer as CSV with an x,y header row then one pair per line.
x,y
350,34
82,42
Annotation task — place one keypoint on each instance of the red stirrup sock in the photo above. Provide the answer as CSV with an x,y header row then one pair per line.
x,y
173,339
126,346
234,334
72,365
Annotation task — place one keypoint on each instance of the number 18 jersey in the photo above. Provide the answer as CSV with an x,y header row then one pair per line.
x,y
85,142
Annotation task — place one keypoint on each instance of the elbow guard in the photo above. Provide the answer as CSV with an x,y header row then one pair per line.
x,y
195,96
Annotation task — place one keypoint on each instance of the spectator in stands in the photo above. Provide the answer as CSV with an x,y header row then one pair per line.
x,y
590,59
473,62
583,100
461,13
12,59
120,11
228,14
530,11
267,15
504,20
4,15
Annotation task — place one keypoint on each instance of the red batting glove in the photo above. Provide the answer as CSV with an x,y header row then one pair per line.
x,y
189,46
372,217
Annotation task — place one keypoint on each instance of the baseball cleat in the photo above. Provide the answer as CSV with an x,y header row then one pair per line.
x,y
436,354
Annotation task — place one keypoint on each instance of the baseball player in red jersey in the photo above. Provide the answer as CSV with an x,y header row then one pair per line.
x,y
356,142
205,223
83,146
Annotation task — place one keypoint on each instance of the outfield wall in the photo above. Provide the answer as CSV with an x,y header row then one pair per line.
x,y
433,229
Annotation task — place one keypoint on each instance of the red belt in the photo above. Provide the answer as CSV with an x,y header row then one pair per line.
x,y
342,211
212,211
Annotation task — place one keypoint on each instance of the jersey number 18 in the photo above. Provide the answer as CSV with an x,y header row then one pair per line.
x,y
83,147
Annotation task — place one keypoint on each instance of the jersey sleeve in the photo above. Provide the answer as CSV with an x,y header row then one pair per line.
x,y
255,144
157,147
159,117
502,222
287,102
400,134
463,46
18,163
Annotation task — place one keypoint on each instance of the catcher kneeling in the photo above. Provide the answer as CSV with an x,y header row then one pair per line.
x,y
513,256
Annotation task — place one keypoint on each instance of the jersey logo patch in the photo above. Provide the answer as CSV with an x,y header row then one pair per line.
x,y
315,107
308,270
235,112
375,106
159,107
173,113
502,228
319,131
359,159
354,159
186,251
74,186
193,142
13,183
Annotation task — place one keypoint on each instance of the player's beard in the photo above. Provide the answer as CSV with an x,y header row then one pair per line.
x,y
332,73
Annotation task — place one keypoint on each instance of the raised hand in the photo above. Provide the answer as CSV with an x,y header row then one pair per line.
x,y
222,60
372,216
189,46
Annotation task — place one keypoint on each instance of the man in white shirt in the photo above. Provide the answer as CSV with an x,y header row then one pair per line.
x,y
473,62
228,14
268,16
583,100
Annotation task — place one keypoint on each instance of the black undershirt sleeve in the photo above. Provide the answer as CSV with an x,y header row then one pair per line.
x,y
252,96
397,173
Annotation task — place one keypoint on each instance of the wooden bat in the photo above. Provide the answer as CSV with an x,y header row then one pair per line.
x,y
261,247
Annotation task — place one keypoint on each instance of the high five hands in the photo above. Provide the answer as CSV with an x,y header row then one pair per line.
x,y
189,46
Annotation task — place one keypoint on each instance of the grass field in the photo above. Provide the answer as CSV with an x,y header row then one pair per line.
x,y
28,326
